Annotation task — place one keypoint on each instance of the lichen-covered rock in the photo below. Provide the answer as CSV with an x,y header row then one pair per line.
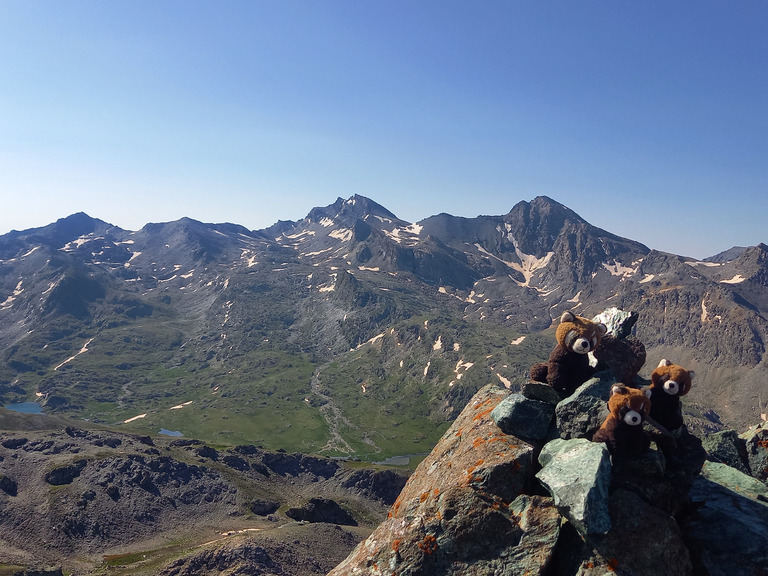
x,y
577,473
523,417
453,515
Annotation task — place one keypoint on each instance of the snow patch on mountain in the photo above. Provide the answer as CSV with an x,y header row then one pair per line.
x,y
408,235
528,265
738,279
343,234
16,293
695,263
298,236
82,350
616,268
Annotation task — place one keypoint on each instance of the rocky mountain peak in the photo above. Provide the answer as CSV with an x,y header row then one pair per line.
x,y
347,212
55,235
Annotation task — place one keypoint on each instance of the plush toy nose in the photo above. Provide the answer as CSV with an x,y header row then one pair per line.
x,y
671,387
633,418
581,346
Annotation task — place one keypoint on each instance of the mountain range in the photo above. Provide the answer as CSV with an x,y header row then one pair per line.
x,y
352,332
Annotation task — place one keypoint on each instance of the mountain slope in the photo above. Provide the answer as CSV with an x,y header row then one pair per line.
x,y
343,332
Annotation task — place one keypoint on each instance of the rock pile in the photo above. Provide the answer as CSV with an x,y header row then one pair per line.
x,y
515,486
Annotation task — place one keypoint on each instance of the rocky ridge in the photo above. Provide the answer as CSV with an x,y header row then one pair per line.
x,y
500,495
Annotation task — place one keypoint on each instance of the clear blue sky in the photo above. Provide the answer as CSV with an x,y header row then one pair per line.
x,y
649,119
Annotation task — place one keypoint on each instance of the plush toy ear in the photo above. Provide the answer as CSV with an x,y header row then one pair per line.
x,y
618,389
567,316
664,362
602,328
691,373
647,391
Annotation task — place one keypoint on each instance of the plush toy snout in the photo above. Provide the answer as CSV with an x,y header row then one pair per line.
x,y
633,418
671,387
579,344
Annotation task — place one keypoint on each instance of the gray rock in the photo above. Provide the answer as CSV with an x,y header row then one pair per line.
x,y
756,440
65,474
540,523
264,507
643,540
577,473
523,417
8,485
735,480
540,391
728,529
651,464
582,413
728,448
321,510
619,322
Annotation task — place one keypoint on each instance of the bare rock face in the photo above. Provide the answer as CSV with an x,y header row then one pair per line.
x,y
454,514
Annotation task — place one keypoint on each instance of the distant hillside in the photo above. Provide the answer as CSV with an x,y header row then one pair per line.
x,y
351,332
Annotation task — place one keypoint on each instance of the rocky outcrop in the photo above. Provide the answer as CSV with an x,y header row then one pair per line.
x,y
321,510
454,515
497,496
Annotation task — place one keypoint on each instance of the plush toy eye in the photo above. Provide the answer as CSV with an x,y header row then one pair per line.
x,y
633,418
671,387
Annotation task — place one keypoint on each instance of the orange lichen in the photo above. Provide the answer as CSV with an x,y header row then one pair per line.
x,y
428,545
483,414
477,442
395,507
613,563
396,544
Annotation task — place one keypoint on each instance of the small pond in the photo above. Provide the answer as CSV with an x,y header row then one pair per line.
x,y
25,407
170,432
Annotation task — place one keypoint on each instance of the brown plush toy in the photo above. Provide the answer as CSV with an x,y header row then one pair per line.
x,y
568,365
668,383
622,431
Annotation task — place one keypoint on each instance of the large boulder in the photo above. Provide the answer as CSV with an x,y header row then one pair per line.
x,y
756,440
727,529
727,448
524,417
582,413
321,510
454,516
577,473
